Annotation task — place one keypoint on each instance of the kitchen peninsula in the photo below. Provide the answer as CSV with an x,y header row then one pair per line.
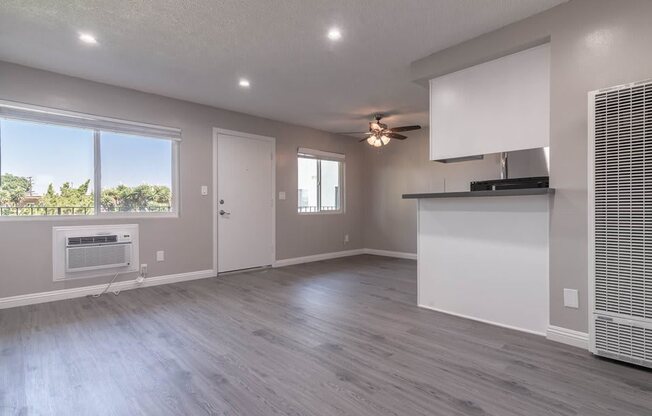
x,y
484,255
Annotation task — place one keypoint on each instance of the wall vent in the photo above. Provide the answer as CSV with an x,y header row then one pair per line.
x,y
620,209
623,339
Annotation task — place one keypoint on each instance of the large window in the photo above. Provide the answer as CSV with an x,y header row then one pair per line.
x,y
320,178
54,164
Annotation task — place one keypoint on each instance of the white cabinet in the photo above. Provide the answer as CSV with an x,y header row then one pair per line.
x,y
498,106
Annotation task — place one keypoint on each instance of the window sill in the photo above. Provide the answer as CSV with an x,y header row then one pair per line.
x,y
321,213
101,217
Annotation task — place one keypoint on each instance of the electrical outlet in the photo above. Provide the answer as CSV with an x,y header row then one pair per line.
x,y
204,190
571,298
346,238
143,270
160,255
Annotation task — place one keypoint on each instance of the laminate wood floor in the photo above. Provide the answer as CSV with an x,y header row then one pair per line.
x,y
340,337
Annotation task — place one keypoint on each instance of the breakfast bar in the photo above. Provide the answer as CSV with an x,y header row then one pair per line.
x,y
484,255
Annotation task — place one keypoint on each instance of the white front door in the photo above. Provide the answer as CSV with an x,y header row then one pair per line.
x,y
245,201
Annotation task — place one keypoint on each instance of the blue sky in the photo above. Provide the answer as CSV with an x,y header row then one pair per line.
x,y
58,154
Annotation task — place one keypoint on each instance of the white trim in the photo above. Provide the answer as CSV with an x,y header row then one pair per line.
x,y
86,218
322,213
320,154
485,321
318,257
388,253
214,218
346,253
78,292
568,336
216,132
419,250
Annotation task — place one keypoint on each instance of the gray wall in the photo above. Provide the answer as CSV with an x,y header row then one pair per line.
x,y
25,246
390,223
402,167
594,44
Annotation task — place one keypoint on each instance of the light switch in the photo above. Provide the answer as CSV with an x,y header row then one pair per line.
x,y
281,196
571,298
160,255
204,190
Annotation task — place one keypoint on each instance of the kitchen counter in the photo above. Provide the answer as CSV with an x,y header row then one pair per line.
x,y
466,194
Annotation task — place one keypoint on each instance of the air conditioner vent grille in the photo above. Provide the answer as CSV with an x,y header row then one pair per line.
x,y
85,257
95,239
623,340
623,202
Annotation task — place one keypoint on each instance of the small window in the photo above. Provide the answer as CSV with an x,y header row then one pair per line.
x,y
55,163
320,179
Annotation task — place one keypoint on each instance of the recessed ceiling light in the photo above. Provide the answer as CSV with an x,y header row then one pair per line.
x,y
88,38
334,34
244,83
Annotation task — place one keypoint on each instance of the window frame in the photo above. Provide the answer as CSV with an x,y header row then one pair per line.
x,y
47,116
320,156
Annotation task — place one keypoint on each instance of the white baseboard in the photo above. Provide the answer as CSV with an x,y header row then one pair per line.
x,y
78,292
484,321
318,257
346,253
387,253
568,336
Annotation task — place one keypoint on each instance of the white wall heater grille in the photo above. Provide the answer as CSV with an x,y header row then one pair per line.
x,y
620,207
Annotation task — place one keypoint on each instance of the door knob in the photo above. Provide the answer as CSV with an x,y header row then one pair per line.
x,y
222,212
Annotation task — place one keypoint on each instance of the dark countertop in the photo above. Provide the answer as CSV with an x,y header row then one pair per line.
x,y
473,194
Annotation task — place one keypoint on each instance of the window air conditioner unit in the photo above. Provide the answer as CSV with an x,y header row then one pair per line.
x,y
81,252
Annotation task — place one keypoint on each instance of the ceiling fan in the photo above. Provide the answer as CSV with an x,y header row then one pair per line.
x,y
380,135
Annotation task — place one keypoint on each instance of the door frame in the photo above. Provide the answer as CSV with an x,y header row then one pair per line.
x,y
216,132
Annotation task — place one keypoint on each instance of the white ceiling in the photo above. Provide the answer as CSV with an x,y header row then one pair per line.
x,y
198,49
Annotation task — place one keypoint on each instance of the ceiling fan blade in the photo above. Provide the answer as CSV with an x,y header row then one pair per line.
x,y
363,140
396,136
405,128
355,132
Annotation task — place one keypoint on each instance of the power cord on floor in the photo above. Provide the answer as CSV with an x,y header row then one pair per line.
x,y
106,289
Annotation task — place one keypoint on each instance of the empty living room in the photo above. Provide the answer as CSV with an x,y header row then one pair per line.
x,y
326,207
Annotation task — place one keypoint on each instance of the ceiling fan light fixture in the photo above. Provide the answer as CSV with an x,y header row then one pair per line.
x,y
380,134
